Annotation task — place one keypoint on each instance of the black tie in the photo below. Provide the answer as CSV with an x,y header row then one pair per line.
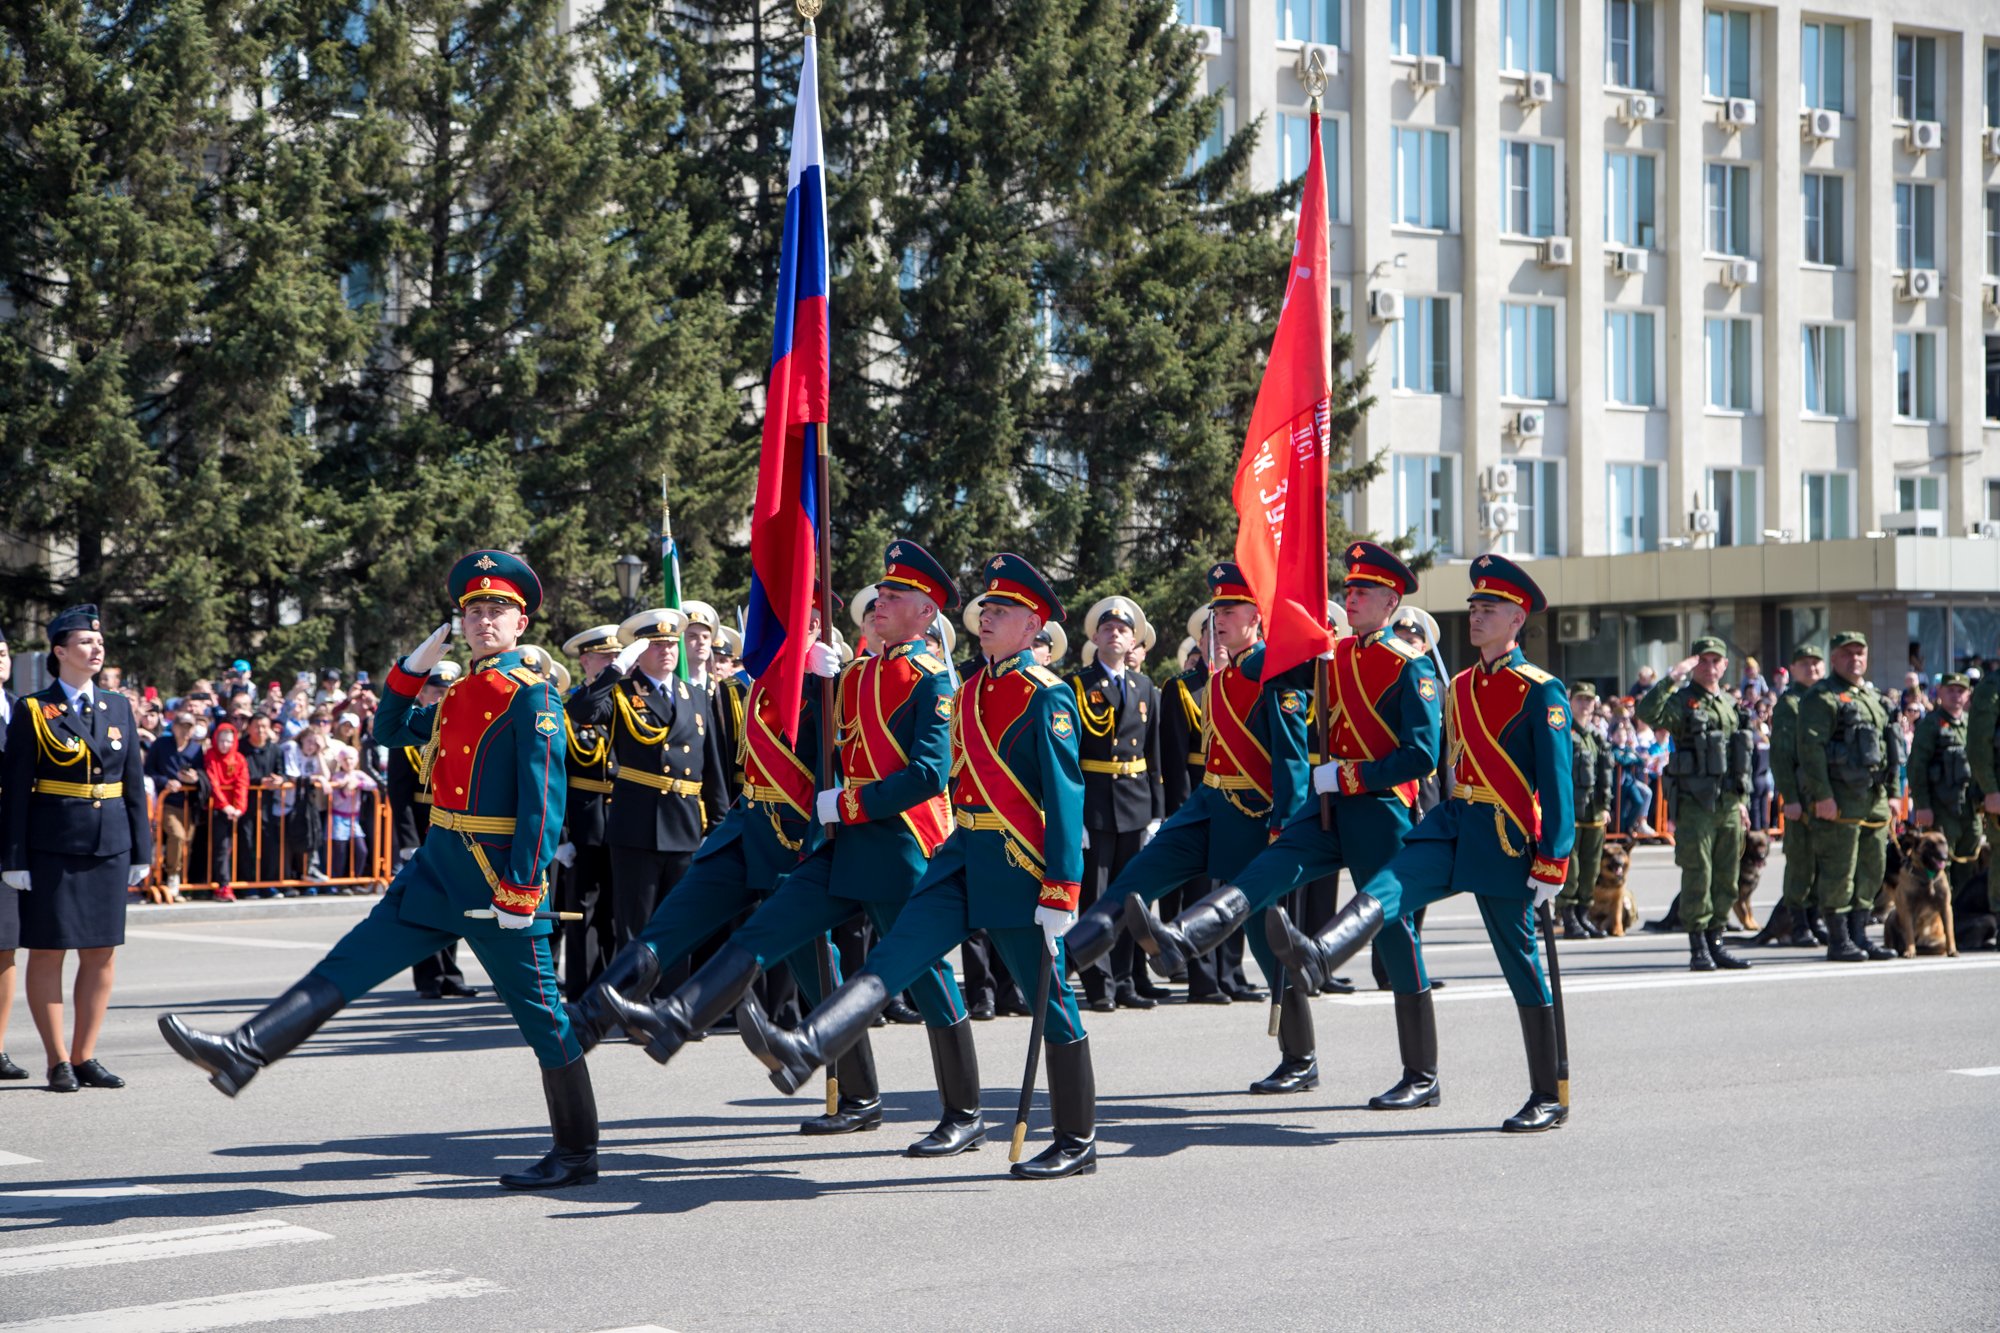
x,y
88,705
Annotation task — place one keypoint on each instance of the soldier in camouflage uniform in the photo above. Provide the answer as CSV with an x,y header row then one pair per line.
x,y
1848,756
1941,792
1808,667
1982,739
1595,777
1710,766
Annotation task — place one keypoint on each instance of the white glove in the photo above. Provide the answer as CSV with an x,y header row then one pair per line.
x,y
1326,778
1544,892
137,875
1055,923
823,659
827,806
629,654
513,920
1152,832
428,653
566,853
1086,840
15,879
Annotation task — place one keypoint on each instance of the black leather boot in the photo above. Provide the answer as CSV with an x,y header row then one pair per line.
x,y
956,1063
1073,1108
697,1005
1194,932
234,1060
1573,929
826,1034
1317,957
1719,951
1816,924
1699,958
1543,1109
1298,1064
630,978
1839,949
860,1100
573,1120
1417,1040
1857,930
1802,936
1095,931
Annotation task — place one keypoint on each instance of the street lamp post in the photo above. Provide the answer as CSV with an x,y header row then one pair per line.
x,y
629,569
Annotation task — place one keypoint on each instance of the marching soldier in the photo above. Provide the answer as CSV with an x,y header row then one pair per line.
x,y
725,694
495,759
1710,766
1848,759
1801,866
1982,745
1254,780
1504,835
1181,729
410,814
666,767
1941,792
1123,799
888,814
1014,868
584,883
1594,775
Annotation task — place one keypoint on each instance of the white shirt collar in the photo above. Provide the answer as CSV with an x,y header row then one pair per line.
x,y
79,699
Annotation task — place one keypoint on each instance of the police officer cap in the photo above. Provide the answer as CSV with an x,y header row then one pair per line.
x,y
495,574
1495,578
1809,651
596,639
1122,610
700,613
71,621
1368,562
444,673
1058,642
660,623
1708,643
1850,636
908,565
1954,678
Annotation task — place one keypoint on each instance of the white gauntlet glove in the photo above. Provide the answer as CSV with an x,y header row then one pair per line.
x,y
1055,923
15,879
513,920
823,660
566,853
1544,892
428,653
137,875
827,806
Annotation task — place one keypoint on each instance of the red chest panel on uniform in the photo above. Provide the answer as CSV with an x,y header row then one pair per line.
x,y
870,694
1233,748
987,708
767,760
471,707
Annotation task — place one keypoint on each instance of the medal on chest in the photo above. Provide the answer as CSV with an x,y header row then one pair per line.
x,y
117,741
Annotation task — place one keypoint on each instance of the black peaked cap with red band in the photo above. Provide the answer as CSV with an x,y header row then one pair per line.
x,y
495,574
1011,578
908,565
1495,578
1227,584
1368,562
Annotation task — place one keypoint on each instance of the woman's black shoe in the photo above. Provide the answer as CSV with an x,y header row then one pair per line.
x,y
94,1075
62,1078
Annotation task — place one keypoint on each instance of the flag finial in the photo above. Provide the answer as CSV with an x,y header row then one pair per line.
x,y
808,10
1314,78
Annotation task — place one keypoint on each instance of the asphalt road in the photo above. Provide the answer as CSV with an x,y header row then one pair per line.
x,y
1800,1146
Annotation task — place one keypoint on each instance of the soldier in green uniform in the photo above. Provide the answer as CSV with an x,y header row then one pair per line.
x,y
1808,667
1941,791
1847,761
1710,766
1595,776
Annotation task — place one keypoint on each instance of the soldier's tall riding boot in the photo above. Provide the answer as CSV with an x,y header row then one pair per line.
x,y
1544,1108
1193,933
956,1063
1699,958
1095,931
827,1033
1073,1108
1298,1064
1839,949
1857,930
860,1103
1317,957
1417,1039
695,1006
1816,924
633,973
573,1118
1724,959
233,1060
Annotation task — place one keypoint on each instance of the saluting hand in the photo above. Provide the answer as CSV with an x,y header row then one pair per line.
x,y
629,654
428,653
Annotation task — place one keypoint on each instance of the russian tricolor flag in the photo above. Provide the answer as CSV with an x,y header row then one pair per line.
x,y
784,527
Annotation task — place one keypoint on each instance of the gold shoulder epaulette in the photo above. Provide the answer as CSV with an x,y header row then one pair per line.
x,y
1396,644
527,675
1043,677
929,665
1534,673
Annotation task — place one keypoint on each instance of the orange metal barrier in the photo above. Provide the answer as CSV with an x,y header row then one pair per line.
x,y
251,849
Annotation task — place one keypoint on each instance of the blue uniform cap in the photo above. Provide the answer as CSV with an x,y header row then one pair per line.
x,y
70,621
484,574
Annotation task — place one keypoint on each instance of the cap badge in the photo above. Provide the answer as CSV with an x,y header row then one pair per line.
x,y
486,562
486,583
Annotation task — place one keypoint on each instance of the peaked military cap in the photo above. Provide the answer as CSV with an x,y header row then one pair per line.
x,y
1850,636
1809,651
444,673
74,619
908,565
729,640
1011,578
596,639
495,574
1058,642
1121,609
1495,578
542,660
941,627
1583,688
661,623
700,613
1227,584
1708,643
1368,562
1954,678
863,600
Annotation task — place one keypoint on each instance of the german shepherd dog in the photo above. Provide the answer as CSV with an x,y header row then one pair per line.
x,y
1612,908
1756,851
1921,920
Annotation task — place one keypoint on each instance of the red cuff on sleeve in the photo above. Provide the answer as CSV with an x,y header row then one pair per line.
x,y
1350,778
1060,894
851,809
1549,869
403,683
516,898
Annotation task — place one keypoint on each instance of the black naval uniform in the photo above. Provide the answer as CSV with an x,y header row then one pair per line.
x,y
585,884
726,697
410,815
1119,745
1181,768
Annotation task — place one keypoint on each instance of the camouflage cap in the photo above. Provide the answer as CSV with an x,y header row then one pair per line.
x,y
1708,643
1850,636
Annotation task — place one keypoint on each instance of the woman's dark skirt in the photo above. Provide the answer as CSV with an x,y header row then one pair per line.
x,y
78,902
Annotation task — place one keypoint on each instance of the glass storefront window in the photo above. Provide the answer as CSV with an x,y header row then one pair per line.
x,y
1975,635
1926,646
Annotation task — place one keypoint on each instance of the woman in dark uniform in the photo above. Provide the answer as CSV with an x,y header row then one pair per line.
x,y
76,838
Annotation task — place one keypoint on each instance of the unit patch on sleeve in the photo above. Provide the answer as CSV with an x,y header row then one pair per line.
x,y
547,724
1427,690
1558,718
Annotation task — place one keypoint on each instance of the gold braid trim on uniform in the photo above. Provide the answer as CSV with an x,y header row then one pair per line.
x,y
641,732
586,756
1100,724
59,753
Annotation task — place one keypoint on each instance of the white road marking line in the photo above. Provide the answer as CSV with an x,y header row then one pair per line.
x,y
637,1328
196,937
1989,1072
1585,985
315,1300
55,1200
15,1159
101,1250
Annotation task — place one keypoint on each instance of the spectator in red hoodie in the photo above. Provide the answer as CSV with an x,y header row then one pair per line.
x,y
228,777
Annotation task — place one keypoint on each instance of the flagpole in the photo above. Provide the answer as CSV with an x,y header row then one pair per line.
x,y
1315,84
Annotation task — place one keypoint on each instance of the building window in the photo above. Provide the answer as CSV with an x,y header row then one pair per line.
x,y
1421,27
1916,78
1423,363
1727,190
1916,376
1427,500
1628,43
358,285
1628,200
1826,215
1423,179
1823,65
1528,35
1309,21
1726,53
1992,378
1993,87
1634,507
1206,13
1829,506
1539,498
1295,147
1528,189
1732,494
1993,233
1916,225
1628,357
1730,356
1825,356
1922,497
1528,351
1993,501
1217,139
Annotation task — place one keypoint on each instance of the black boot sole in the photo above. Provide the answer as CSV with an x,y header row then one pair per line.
x,y
525,1182
1161,956
783,1077
227,1082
